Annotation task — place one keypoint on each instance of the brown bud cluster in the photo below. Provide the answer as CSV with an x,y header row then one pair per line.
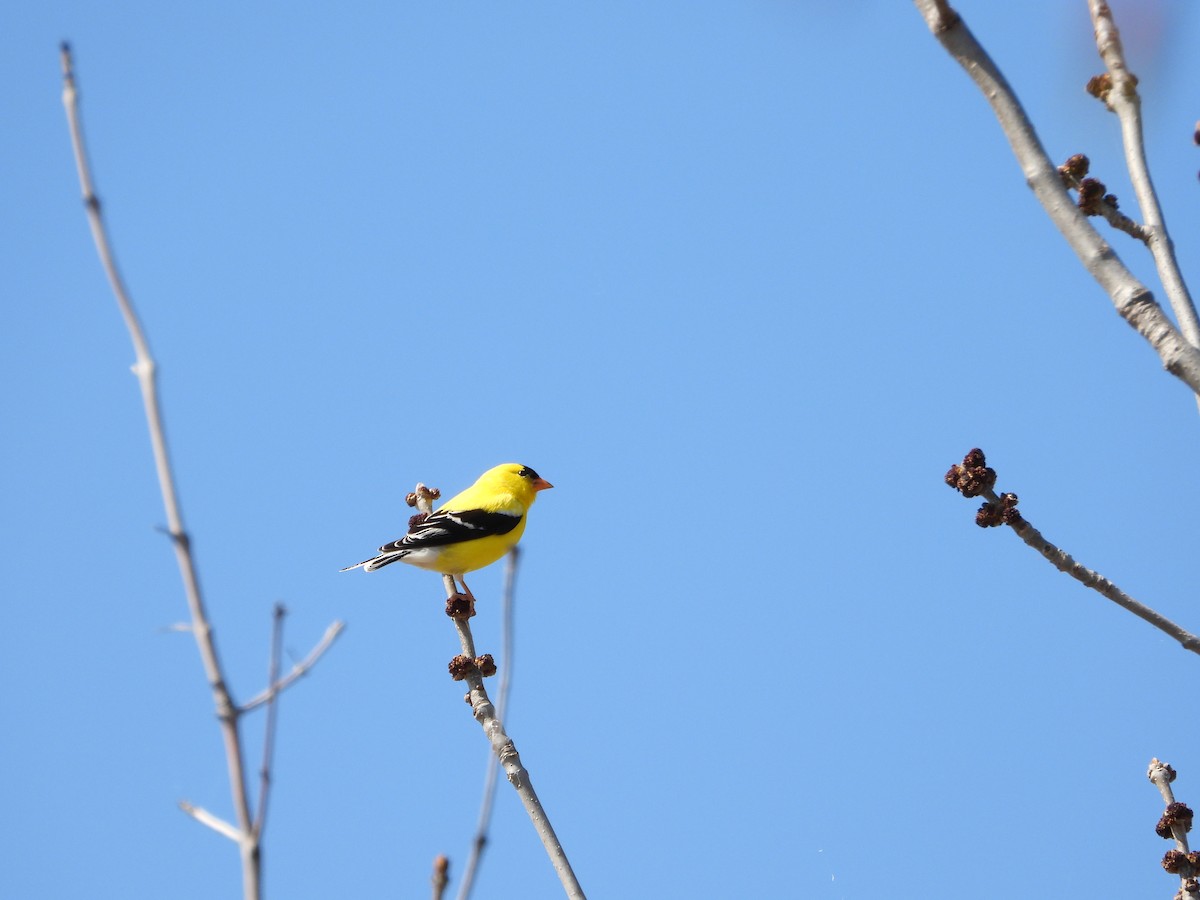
x,y
1099,86
1175,814
422,492
1010,514
486,665
1179,863
1002,513
972,477
414,521
460,607
1091,196
1075,169
461,666
1174,861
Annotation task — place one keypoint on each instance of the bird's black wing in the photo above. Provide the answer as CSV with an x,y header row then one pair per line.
x,y
452,527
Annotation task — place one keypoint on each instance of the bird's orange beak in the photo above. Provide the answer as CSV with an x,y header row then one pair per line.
x,y
540,484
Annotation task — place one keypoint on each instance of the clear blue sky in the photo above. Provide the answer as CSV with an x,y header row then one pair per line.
x,y
742,280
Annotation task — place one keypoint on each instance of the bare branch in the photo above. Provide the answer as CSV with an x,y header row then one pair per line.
x,y
467,668
264,771
489,782
973,478
299,670
1097,582
1132,299
217,824
1123,99
144,368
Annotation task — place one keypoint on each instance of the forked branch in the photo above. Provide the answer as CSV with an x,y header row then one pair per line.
x,y
1132,299
145,370
247,832
1123,99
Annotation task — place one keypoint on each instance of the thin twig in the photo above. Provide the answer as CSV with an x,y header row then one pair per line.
x,y
485,714
217,824
299,670
145,370
493,767
264,771
1132,299
973,478
1094,199
1124,100
1064,562
1122,222
441,876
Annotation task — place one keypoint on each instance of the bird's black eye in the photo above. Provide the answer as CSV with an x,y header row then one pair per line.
x,y
527,472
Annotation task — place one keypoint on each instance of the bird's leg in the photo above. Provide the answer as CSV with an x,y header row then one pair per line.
x,y
466,594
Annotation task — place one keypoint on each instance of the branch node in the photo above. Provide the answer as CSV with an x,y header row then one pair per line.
x,y
1100,86
462,667
460,606
1176,815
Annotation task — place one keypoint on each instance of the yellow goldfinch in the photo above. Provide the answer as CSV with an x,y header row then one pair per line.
x,y
471,530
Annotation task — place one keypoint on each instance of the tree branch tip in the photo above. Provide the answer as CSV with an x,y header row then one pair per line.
x,y
1075,169
441,875
299,670
420,493
217,824
1158,767
972,477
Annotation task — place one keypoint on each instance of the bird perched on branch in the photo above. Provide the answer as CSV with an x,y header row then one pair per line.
x,y
471,530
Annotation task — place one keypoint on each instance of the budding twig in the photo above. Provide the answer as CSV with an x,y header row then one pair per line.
x,y
467,667
973,478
